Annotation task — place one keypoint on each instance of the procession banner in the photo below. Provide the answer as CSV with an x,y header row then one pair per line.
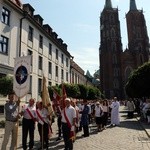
x,y
46,98
21,83
64,96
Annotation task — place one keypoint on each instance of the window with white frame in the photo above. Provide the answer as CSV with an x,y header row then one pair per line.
x,y
5,16
4,45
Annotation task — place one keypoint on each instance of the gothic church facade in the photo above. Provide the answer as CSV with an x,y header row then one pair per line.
x,y
116,64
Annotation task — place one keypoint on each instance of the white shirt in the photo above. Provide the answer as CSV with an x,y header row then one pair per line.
x,y
70,113
43,113
32,109
98,110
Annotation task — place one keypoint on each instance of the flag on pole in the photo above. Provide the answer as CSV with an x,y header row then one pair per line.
x,y
56,100
64,96
46,98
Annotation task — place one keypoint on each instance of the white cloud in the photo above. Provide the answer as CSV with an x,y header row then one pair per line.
x,y
87,59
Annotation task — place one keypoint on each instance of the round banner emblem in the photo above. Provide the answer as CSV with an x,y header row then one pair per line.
x,y
21,74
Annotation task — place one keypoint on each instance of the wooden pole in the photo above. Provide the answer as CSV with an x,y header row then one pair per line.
x,y
17,122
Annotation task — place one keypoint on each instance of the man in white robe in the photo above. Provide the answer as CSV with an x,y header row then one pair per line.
x,y
115,119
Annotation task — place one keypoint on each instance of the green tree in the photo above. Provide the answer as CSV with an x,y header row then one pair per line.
x,y
6,85
72,90
92,93
139,81
83,91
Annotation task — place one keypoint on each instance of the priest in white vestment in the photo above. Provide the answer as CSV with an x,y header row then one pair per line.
x,y
115,119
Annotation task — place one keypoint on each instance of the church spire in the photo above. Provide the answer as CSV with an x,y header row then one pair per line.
x,y
108,4
133,5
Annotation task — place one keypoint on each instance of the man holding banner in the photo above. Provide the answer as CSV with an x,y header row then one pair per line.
x,y
11,111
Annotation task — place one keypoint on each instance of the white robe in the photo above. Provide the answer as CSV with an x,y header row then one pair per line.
x,y
115,119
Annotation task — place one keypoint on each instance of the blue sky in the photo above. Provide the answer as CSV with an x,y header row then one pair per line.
x,y
77,23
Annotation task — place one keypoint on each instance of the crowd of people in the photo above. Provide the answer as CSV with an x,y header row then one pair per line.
x,y
141,107
74,118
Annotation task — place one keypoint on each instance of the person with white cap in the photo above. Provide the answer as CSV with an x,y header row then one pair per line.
x,y
98,116
68,124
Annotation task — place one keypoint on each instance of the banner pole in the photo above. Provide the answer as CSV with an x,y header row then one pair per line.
x,y
17,123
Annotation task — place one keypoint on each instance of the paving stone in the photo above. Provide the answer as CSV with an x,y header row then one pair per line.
x,y
129,135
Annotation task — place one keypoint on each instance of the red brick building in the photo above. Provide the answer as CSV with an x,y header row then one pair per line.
x,y
116,64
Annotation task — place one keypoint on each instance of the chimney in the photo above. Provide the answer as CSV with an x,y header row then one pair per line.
x,y
60,41
28,8
39,19
54,34
65,46
47,28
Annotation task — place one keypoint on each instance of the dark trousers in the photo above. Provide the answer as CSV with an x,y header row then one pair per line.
x,y
130,114
59,125
89,117
28,125
104,119
86,130
66,135
43,132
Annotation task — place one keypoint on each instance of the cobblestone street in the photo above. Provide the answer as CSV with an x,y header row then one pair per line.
x,y
128,136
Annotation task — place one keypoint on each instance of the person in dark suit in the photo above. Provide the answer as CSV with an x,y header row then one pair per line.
x,y
84,118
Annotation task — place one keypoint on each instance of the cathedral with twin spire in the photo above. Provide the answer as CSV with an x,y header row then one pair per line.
x,y
116,64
